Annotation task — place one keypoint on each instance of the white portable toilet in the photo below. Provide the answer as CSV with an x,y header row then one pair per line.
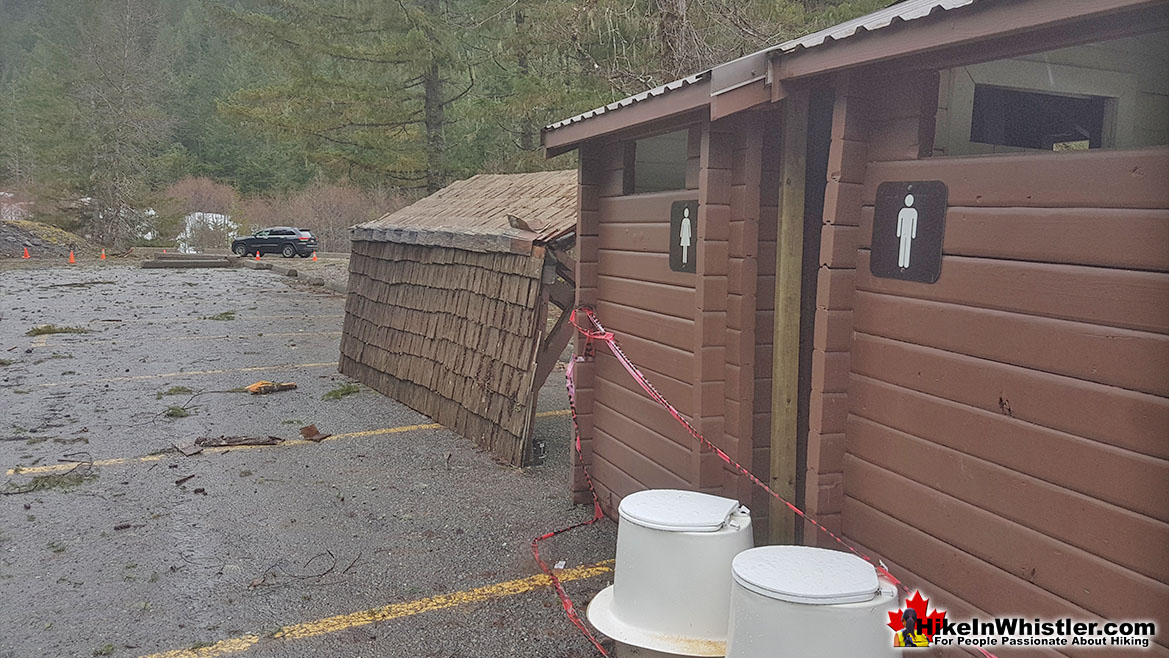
x,y
807,602
671,586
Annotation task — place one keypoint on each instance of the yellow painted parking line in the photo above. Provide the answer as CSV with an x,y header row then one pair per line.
x,y
393,611
239,316
191,373
282,334
61,468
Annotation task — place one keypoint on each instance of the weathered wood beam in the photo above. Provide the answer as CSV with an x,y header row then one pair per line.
x,y
565,265
788,281
562,294
551,348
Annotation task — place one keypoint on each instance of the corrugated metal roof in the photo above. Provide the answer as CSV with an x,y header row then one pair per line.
x,y
544,201
905,11
630,100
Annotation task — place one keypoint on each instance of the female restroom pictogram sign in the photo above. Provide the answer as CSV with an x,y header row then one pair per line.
x,y
909,223
683,235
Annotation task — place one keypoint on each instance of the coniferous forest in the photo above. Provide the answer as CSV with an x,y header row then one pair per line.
x,y
118,116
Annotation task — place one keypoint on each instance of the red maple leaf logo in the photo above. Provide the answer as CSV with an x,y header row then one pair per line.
x,y
930,623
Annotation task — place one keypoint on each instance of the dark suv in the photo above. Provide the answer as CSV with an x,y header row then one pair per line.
x,y
284,240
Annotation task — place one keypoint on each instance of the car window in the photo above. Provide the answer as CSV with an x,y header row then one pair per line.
x,y
262,234
284,232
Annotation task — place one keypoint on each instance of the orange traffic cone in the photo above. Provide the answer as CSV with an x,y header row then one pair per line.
x,y
314,256
26,253
164,250
72,260
257,255
103,254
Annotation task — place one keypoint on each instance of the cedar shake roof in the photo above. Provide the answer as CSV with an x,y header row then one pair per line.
x,y
473,213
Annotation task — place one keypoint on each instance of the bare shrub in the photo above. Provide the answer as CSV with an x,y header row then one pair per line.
x,y
326,209
206,209
202,195
215,212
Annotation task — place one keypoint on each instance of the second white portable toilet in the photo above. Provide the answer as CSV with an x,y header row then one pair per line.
x,y
807,602
672,582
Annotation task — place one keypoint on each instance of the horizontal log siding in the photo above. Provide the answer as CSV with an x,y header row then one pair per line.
x,y
633,444
828,402
739,395
715,180
1006,426
760,463
591,163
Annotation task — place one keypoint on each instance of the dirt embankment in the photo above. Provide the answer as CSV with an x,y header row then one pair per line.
x,y
42,240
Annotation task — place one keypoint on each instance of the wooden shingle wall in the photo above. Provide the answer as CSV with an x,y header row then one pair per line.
x,y
450,333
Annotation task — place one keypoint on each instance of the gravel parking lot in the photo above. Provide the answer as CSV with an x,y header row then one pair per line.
x,y
114,543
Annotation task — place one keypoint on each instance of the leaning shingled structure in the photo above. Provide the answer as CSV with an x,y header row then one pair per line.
x,y
448,305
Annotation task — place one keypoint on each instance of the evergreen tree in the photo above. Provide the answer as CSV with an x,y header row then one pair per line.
x,y
116,99
207,67
366,84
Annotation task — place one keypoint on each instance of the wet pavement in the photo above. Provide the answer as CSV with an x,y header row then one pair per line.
x,y
329,269
113,543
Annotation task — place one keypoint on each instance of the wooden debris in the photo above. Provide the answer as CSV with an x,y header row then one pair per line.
x,y
264,387
222,441
188,449
311,433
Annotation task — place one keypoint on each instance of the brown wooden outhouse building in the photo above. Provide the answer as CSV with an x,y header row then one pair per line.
x,y
914,271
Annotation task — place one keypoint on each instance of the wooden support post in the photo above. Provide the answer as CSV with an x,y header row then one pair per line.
x,y
552,346
788,271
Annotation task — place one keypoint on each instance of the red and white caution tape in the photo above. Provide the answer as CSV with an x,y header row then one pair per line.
x,y
598,514
597,332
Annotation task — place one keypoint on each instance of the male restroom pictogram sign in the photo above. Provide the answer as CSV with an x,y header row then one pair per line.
x,y
909,223
683,235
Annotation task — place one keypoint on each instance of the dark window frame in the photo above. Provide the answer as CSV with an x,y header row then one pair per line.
x,y
1013,117
680,177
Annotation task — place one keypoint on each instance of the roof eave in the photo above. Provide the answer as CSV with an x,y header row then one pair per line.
x,y
670,103
943,31
938,34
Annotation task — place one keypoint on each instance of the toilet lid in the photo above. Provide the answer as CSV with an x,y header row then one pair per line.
x,y
677,511
805,574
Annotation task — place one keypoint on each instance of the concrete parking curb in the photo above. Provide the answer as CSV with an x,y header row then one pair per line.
x,y
252,264
335,286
